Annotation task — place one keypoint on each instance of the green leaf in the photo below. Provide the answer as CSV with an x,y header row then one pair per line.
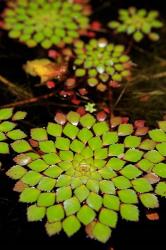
x,y
131,172
92,185
4,148
97,163
162,125
80,72
95,143
146,28
94,201
39,134
7,126
115,163
70,131
108,217
121,182
46,199
113,24
116,149
149,200
71,225
141,185
157,135
154,156
160,170
161,147
66,165
87,152
145,165
63,193
87,121
107,187
101,232
81,192
132,141
46,184
63,180
84,135
71,206
110,138
73,117
16,134
55,213
62,143
111,202
29,195
16,172
138,36
2,136
101,153
129,212
53,171
54,129
147,144
47,146
133,155
21,146
53,228
106,173
125,129
161,189
35,213
76,146
19,115
86,215
66,155
100,128
51,158
128,196
6,113
31,178
38,165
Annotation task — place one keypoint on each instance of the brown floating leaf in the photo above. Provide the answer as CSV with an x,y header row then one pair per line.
x,y
60,118
152,216
19,186
152,178
101,116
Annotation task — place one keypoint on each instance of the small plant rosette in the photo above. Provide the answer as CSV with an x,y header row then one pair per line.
x,y
99,62
46,22
8,128
138,23
86,172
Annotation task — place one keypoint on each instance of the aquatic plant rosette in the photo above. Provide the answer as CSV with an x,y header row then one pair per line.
x,y
98,62
78,171
46,22
138,23
8,130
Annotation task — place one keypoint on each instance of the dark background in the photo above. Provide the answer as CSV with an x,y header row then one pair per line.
x,y
14,229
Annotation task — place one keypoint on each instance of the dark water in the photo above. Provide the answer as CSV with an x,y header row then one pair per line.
x,y
14,229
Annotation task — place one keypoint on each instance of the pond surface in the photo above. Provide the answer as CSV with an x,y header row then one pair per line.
x,y
145,99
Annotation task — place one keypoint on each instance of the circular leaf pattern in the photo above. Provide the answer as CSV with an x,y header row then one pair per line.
x,y
100,62
86,171
62,21
137,23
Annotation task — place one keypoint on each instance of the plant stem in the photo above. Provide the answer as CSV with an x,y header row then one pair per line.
x,y
16,90
28,101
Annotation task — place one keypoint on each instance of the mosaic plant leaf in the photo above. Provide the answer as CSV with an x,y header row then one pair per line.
x,y
8,130
100,62
62,20
138,23
87,173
